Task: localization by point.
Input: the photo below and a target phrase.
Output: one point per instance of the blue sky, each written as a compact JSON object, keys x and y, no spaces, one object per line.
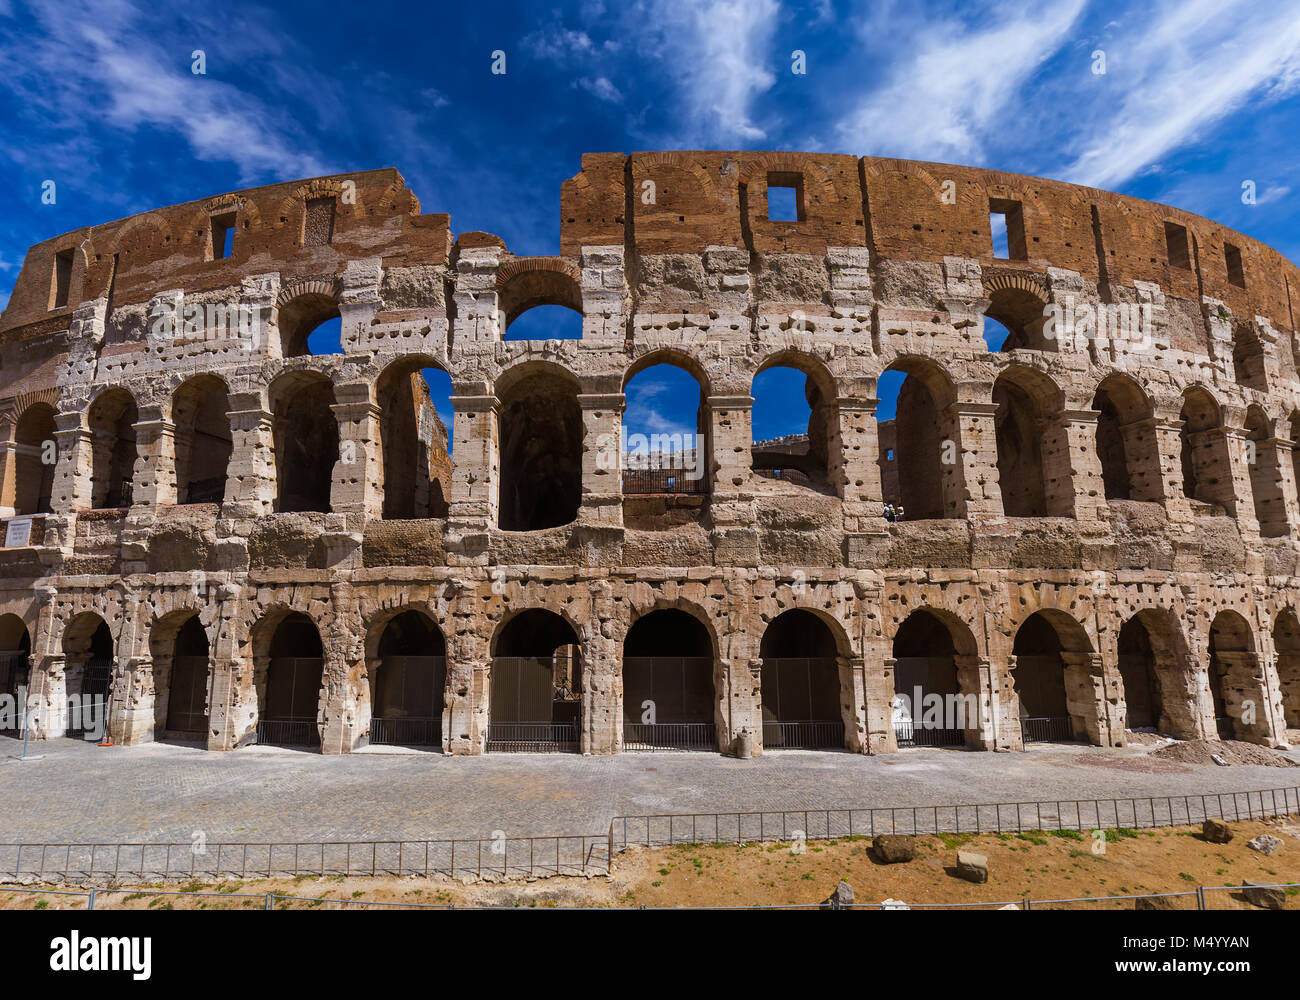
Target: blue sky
{"x":1197,"y":98}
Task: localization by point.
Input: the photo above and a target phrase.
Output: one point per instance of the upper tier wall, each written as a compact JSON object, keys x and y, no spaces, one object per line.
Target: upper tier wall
{"x":678,"y":203}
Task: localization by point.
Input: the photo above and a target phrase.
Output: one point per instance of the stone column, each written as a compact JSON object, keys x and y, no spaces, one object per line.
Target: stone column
{"x":1146,"y":465}
{"x":853,"y":701}
{"x":729,"y":429}
{"x":855,"y":463}
{"x":359,"y":470}
{"x":602,"y":678}
{"x":345,"y":696}
{"x":73,"y":465}
{"x":1167,"y":430}
{"x":1232,"y":492}
{"x":476,"y":478}
{"x":602,"y":459}
{"x":1287,"y":483}
{"x":131,"y":701}
{"x":878,"y":699}
{"x":469,"y":664}
{"x":250,"y":475}
{"x":1071,"y":469}
{"x":232,"y":692}
{"x":153,"y":478}
{"x":974,"y":475}
{"x":992,"y":718}
{"x":1092,"y":699}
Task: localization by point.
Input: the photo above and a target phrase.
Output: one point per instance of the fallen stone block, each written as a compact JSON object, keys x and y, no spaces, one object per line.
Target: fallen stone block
{"x":894,"y":848}
{"x":1216,"y":831}
{"x":1154,"y":903}
{"x":972,"y":867}
{"x":840,"y":899}
{"x":1264,"y":896}
{"x":1265,"y":843}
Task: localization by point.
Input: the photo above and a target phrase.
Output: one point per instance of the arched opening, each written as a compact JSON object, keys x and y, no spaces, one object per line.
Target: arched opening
{"x":35,"y":458}
{"x":1126,"y":444}
{"x":1248,"y":358}
{"x":1286,"y":643}
{"x":1234,"y":689}
{"x":310,"y":324}
{"x":540,"y":303}
{"x":1137,"y":670}
{"x":664,"y":432}
{"x":289,"y":697}
{"x":306,"y":439}
{"x":1265,"y":477}
{"x":668,"y":695}
{"x":88,"y":675}
{"x":180,"y":668}
{"x":536,"y":685}
{"x":414,"y":441}
{"x":930,"y":708}
{"x":112,"y":420}
{"x":1025,"y":430}
{"x":546,"y":322}
{"x":1204,"y":451}
{"x":200,"y":412}
{"x":917,"y":442}
{"x":409,"y":683}
{"x":1039,"y":679}
{"x":541,"y":451}
{"x":793,"y":423}
{"x":800,"y":684}
{"x":15,"y":672}
{"x":1020,"y":313}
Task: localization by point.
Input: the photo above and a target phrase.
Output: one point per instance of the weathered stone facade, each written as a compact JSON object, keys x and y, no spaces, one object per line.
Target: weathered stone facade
{"x":1088,"y":479}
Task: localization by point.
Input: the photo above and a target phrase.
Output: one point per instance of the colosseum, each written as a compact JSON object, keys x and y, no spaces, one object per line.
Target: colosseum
{"x":234,"y":541}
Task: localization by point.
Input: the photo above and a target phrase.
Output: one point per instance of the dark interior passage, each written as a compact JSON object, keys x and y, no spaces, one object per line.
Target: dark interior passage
{"x":801,"y":684}
{"x":293,"y":684}
{"x":188,"y":685}
{"x":536,"y":685}
{"x":668,"y":697}
{"x":409,"y":687}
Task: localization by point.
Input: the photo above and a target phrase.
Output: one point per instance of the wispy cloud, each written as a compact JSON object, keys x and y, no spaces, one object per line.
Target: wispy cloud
{"x":601,"y":88}
{"x":943,"y":102}
{"x":1186,"y":68}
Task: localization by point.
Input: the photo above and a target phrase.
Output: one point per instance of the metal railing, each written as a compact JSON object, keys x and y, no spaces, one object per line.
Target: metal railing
{"x":644,"y":481}
{"x":505,"y":856}
{"x":804,"y":734}
{"x":910,"y":733}
{"x":639,"y":736}
{"x":1140,"y":812}
{"x":406,"y":731}
{"x":532,"y":737}
{"x":1046,"y":729}
{"x":288,"y":732}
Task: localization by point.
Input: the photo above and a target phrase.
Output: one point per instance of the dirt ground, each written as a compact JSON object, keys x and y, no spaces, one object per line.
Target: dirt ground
{"x":1042,"y":865}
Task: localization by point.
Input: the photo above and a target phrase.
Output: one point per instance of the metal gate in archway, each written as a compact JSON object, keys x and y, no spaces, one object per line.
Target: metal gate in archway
{"x":96,"y":685}
{"x":409,"y":701}
{"x":676,"y":692}
{"x":292,"y":694}
{"x":187,"y":695}
{"x":531,"y":709}
{"x":801,"y":704}
{"x":15,"y":668}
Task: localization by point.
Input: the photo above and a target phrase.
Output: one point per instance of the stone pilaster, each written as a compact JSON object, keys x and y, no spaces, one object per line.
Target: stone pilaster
{"x":154,"y":475}
{"x":1072,"y":470}
{"x":358,"y":473}
{"x":602,"y":459}
{"x":476,"y":478}
{"x":72,"y":469}
{"x":250,"y":474}
{"x":974,"y":476}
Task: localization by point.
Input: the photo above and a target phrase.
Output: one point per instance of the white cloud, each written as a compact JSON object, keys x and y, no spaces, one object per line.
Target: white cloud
{"x":1189,"y":67}
{"x":601,"y":88}
{"x":1273,"y":194}
{"x":942,"y":102}
{"x":558,"y":44}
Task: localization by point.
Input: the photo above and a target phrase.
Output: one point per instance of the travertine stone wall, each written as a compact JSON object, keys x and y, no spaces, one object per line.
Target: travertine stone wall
{"x":671,"y":257}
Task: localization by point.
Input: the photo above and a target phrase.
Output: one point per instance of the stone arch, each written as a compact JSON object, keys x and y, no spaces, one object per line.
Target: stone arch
{"x":289,"y":677}
{"x":1207,"y":470}
{"x":541,"y":438}
{"x":1126,"y":441}
{"x":914,"y":474}
{"x":181,"y":652}
{"x":1153,"y":652}
{"x":406,"y":673}
{"x":1056,"y":677}
{"x":34,"y":479}
{"x":413,"y":442}
{"x":299,"y":309}
{"x":936,"y":683}
{"x":15,"y":667}
{"x":811,"y":460}
{"x":1018,"y":301}
{"x":89,"y":669}
{"x":526,"y":282}
{"x":1286,"y":648}
{"x":203,"y":440}
{"x":111,"y":417}
{"x":1238,"y":691}
{"x":1265,"y":476}
{"x":536,"y":683}
{"x":305,"y":435}
{"x":670,"y":670}
{"x":804,"y":674}
{"x":1030,"y":451}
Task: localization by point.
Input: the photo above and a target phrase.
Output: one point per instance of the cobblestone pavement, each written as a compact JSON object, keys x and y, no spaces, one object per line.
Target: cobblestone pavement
{"x":164,"y":793}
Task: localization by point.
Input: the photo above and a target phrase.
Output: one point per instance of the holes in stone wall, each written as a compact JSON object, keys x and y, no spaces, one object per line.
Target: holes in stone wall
{"x":221,"y":236}
{"x":1265,"y":478}
{"x":1236,"y":271}
{"x":665,"y":432}
{"x":310,"y":324}
{"x":1248,"y":358}
{"x":1204,"y":451}
{"x":1007,"y":229}
{"x":61,"y":279}
{"x":1176,"y":246}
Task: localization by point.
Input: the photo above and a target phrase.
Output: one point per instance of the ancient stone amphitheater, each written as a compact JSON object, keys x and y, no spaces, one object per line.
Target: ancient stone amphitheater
{"x":234,"y":541}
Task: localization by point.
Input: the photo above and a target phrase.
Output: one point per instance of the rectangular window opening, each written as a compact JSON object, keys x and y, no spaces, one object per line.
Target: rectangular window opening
{"x":1176,"y":245}
{"x":62,"y":279}
{"x":785,"y":197}
{"x":1007,"y":228}
{"x":223,"y":236}
{"x":1236,"y":273}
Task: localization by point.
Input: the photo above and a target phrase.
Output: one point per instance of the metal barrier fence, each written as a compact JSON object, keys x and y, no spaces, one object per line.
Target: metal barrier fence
{"x":507,"y":857}
{"x":996,"y":817}
{"x":532,"y":737}
{"x":911,"y":733}
{"x":638,"y":736}
{"x":803,"y":735}
{"x":288,"y":732}
{"x":406,"y":731}
{"x":1048,"y":729}
{"x":643,"y":481}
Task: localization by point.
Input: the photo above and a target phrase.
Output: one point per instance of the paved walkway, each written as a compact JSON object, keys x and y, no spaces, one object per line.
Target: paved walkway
{"x":165,"y":793}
